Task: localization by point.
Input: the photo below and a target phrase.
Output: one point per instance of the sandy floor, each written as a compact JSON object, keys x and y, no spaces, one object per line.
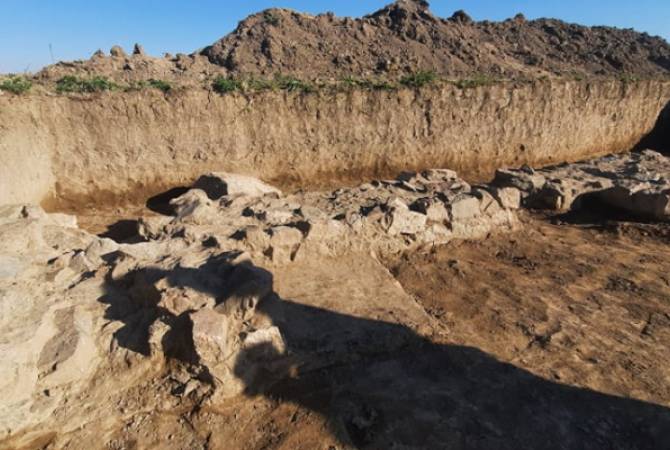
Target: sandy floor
{"x":585,"y":305}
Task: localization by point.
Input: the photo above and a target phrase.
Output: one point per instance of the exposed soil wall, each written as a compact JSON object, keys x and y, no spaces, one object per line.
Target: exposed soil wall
{"x":115,"y":145}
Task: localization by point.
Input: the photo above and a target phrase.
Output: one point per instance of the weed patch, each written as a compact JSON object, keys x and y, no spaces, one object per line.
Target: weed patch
{"x":161,"y":85}
{"x":70,"y":83}
{"x":16,"y":85}
{"x":374,"y":85}
{"x":223,"y":85}
{"x":288,"y":83}
{"x":475,"y":82}
{"x":419,"y":79}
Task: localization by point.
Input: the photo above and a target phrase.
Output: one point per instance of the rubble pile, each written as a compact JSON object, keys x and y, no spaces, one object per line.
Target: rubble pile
{"x":637,"y":183}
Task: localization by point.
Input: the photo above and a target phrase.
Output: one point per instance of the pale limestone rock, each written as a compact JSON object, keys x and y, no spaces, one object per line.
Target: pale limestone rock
{"x":195,"y":207}
{"x":210,"y":337}
{"x":80,"y":263}
{"x":11,"y":267}
{"x":524,"y":180}
{"x":153,"y":227}
{"x":400,"y":220}
{"x":157,"y":332}
{"x":434,"y":209}
{"x":101,"y":247}
{"x":284,"y":243}
{"x":178,"y":300}
{"x":267,"y":342}
{"x":636,"y":182}
{"x":256,"y":238}
{"x":219,"y":184}
{"x":508,"y":197}
{"x":488,"y":205}
{"x":464,"y":207}
{"x":641,"y":200}
{"x":276,"y":216}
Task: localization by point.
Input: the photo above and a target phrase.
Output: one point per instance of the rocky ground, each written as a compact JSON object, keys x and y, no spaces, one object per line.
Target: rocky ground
{"x":402,"y":38}
{"x":421,"y":312}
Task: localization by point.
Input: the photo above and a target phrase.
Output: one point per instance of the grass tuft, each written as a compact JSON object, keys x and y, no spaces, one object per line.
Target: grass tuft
{"x":628,"y":78}
{"x":371,"y":84}
{"x":259,"y":84}
{"x":291,"y":84}
{"x":419,"y":79}
{"x":161,"y":85}
{"x":16,"y":84}
{"x":223,"y":85}
{"x":71,"y":83}
{"x":475,"y":82}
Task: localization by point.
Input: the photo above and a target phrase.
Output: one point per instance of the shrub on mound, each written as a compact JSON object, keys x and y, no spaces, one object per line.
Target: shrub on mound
{"x":71,"y":83}
{"x":16,"y":85}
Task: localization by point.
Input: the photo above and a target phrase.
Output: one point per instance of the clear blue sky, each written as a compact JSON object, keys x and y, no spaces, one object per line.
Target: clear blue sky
{"x":76,"y":28}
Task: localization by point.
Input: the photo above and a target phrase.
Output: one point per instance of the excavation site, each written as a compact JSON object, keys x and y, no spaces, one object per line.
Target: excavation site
{"x":394,"y":231}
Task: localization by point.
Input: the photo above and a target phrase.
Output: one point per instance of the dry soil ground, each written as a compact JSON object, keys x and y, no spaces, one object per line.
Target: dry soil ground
{"x":554,"y":336}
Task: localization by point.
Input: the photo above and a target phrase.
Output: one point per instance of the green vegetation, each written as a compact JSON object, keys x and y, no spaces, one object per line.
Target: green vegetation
{"x":259,"y":84}
{"x":16,"y":85}
{"x":375,"y":85}
{"x":288,"y":83}
{"x":223,"y":85}
{"x":71,"y":83}
{"x":271,"y":19}
{"x":152,"y":83}
{"x":161,"y":85}
{"x":577,"y":76}
{"x":419,"y":79}
{"x":627,"y":78}
{"x":474,"y":82}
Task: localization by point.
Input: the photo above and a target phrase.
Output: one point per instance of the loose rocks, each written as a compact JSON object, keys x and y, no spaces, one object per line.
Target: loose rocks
{"x":638,"y":183}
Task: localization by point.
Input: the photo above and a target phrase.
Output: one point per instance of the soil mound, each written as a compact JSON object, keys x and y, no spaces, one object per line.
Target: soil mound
{"x":402,"y":38}
{"x":405,"y":37}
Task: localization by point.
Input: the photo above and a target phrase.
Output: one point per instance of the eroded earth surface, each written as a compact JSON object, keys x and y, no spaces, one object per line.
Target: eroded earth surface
{"x":421,"y":312}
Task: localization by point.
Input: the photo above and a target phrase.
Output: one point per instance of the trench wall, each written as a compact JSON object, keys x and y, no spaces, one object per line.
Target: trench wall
{"x":115,"y":146}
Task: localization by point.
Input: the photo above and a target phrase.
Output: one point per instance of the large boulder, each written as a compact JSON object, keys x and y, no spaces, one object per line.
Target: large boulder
{"x":219,"y":184}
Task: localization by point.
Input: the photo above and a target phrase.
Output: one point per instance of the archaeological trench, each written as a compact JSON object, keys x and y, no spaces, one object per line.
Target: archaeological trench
{"x":421,"y":267}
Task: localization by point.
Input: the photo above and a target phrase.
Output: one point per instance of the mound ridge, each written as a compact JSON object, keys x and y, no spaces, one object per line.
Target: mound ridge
{"x":405,"y":36}
{"x":401,"y":38}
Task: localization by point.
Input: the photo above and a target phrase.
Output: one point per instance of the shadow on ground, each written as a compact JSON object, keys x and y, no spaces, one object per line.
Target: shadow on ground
{"x":379,"y":385}
{"x":160,"y":203}
{"x":123,"y":231}
{"x":659,"y":138}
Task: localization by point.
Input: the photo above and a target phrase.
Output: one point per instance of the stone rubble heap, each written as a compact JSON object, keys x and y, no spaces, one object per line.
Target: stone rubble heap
{"x":431,"y":207}
{"x":636,"y":183}
{"x":75,"y":306}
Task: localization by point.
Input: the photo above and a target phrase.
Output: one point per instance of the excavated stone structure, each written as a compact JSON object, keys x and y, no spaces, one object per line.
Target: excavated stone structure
{"x":219,"y":300}
{"x":183,"y":305}
{"x":637,"y":183}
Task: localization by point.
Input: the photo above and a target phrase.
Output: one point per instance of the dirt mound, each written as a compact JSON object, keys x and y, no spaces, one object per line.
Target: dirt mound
{"x":187,"y":70}
{"x":405,"y":36}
